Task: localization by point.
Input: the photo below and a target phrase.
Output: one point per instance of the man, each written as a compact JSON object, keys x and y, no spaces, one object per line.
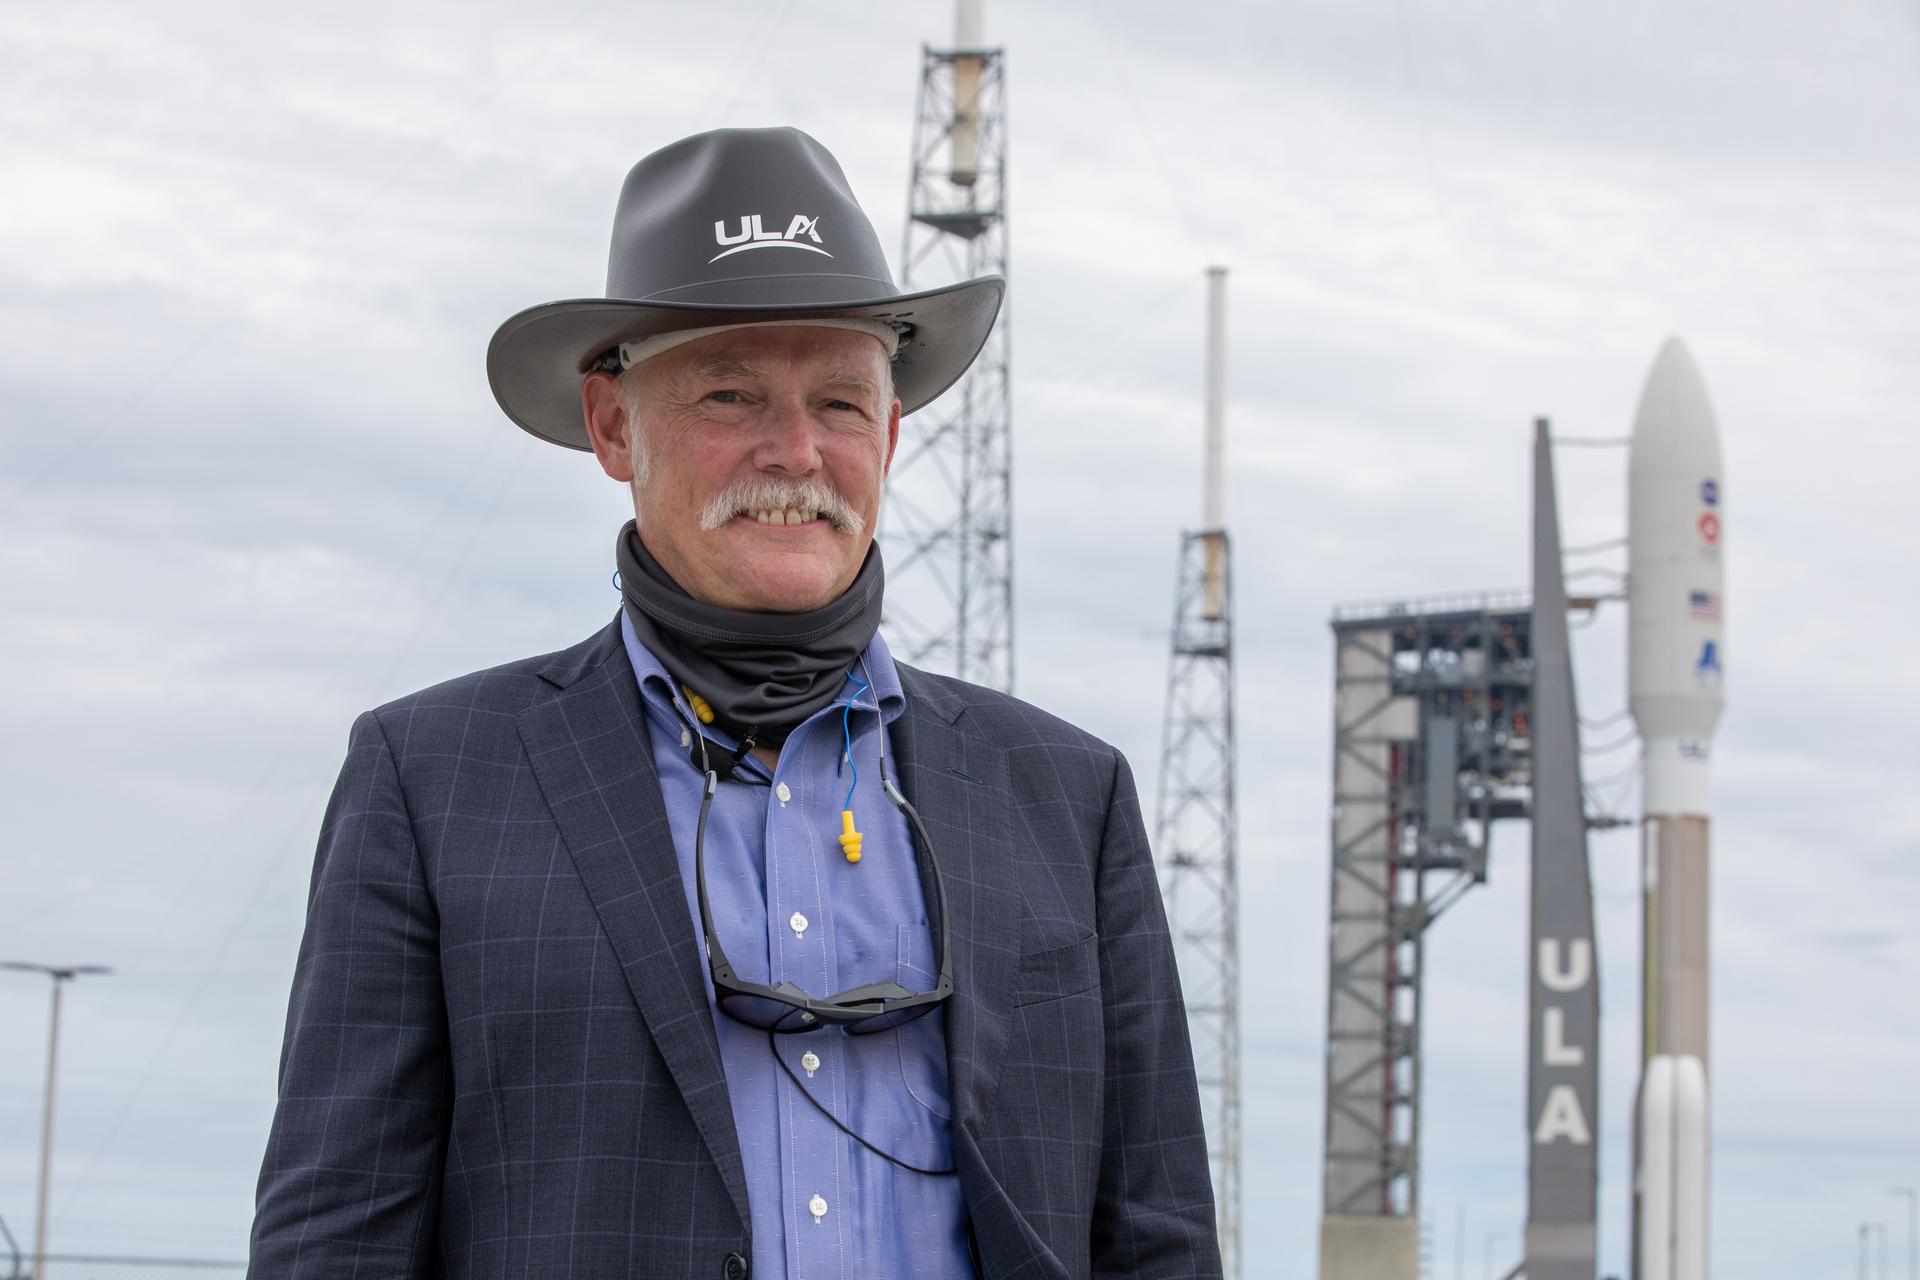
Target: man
{"x":720,"y":943}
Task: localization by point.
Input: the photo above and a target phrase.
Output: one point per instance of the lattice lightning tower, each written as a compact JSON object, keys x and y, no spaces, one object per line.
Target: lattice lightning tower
{"x":948,"y":525}
{"x":1195,"y":834}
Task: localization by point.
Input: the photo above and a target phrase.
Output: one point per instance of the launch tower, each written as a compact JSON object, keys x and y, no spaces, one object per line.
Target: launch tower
{"x":948,"y":530}
{"x":1449,"y":715}
{"x":1432,"y":744}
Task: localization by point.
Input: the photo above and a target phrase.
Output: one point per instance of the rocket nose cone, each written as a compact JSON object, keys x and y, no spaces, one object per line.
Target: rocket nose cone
{"x":1674,"y":362}
{"x":1674,"y":398}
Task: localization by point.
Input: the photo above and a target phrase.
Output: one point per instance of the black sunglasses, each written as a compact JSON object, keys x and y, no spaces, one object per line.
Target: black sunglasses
{"x":784,"y":1008}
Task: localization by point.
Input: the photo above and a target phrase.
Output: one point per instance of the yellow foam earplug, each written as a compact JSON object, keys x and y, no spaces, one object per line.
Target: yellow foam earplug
{"x":849,"y":838}
{"x":701,"y":708}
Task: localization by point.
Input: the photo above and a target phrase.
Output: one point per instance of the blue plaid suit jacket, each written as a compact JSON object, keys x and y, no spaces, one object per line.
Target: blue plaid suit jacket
{"x":500,"y":1058}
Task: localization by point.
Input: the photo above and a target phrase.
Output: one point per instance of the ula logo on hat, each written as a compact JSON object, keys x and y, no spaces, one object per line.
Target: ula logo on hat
{"x":753,"y":236}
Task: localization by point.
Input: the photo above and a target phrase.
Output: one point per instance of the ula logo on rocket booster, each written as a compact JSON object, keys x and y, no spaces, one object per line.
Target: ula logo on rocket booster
{"x":753,"y":235}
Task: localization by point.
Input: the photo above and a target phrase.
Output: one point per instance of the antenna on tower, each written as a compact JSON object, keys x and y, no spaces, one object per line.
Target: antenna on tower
{"x":948,"y":530}
{"x":1196,"y":829}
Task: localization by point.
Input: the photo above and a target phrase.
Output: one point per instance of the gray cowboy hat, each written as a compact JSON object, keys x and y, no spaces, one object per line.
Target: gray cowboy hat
{"x":728,"y":228}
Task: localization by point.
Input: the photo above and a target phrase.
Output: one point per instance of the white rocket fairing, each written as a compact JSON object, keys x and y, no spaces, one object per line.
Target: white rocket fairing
{"x":1676,"y":594}
{"x":1676,"y":516}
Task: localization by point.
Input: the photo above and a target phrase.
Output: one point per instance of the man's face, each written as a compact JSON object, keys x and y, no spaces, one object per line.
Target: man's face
{"x":766,"y":451}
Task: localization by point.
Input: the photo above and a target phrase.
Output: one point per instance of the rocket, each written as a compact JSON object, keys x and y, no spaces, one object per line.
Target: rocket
{"x":1676,"y":654}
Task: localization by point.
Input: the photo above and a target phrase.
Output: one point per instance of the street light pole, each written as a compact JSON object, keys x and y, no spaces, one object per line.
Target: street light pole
{"x":1913,"y":1228}
{"x":13,"y":1247}
{"x":61,"y":975}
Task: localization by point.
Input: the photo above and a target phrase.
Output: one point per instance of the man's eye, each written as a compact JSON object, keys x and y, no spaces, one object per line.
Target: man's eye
{"x":844,"y":404}
{"x":724,"y":397}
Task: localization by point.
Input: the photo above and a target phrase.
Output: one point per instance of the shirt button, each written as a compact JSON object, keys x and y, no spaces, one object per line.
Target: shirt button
{"x":784,"y":794}
{"x":817,"y":1207}
{"x":798,"y":923}
{"x":811,"y":1061}
{"x":686,"y":738}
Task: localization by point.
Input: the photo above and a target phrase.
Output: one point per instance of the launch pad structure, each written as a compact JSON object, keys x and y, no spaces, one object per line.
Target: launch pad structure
{"x":1432,"y":745}
{"x":1451,"y":714}
{"x":947,"y":530}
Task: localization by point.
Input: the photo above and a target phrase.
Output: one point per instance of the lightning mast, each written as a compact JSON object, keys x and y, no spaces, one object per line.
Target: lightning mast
{"x":948,"y":525}
{"x":1195,"y":835}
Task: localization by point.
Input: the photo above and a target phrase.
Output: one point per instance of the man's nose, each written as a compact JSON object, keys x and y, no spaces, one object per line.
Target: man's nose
{"x":790,"y":440}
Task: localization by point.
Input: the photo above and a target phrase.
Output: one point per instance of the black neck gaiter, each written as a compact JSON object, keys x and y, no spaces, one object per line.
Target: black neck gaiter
{"x":762,"y":673}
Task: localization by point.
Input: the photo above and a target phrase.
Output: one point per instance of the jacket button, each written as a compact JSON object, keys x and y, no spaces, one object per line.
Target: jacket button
{"x":736,"y":1267}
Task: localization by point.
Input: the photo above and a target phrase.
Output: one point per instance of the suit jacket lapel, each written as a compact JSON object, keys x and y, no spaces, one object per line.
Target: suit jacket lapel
{"x":594,"y":762}
{"x":958,"y":785}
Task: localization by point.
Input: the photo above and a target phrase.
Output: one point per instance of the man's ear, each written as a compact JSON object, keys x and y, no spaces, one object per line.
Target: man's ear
{"x":893,"y":437}
{"x":605,"y":411}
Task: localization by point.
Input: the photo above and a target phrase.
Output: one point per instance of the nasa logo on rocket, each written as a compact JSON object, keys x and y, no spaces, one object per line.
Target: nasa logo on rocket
{"x":1709,"y":522}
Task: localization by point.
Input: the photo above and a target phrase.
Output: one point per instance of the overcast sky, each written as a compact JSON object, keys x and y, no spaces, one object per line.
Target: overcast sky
{"x":252,"y":483}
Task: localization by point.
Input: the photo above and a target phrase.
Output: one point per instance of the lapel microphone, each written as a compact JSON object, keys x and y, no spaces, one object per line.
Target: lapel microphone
{"x":709,"y":756}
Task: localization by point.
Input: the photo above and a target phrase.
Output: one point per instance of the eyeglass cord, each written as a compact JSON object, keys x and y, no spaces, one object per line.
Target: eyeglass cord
{"x":773,"y":1047}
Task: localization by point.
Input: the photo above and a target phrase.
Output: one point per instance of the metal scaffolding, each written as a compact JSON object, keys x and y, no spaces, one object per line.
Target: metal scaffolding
{"x":1195,"y":840}
{"x":947,"y":530}
{"x":1432,"y":744}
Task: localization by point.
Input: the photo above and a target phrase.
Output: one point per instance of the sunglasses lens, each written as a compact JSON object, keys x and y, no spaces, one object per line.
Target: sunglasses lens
{"x":792,"y":1020}
{"x":758,"y":1011}
{"x":891,"y":1019}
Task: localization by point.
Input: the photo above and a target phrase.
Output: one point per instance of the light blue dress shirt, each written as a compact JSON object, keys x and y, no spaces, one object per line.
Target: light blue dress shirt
{"x":788,"y":906}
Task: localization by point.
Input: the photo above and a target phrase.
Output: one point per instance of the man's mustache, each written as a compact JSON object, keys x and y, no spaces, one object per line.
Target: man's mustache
{"x":774,"y":493}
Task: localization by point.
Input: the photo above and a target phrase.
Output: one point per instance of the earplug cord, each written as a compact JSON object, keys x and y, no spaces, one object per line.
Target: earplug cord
{"x":846,"y":736}
{"x":850,"y":834}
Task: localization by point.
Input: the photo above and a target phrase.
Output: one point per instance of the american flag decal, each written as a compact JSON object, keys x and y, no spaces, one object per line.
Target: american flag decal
{"x":1704,"y":605}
